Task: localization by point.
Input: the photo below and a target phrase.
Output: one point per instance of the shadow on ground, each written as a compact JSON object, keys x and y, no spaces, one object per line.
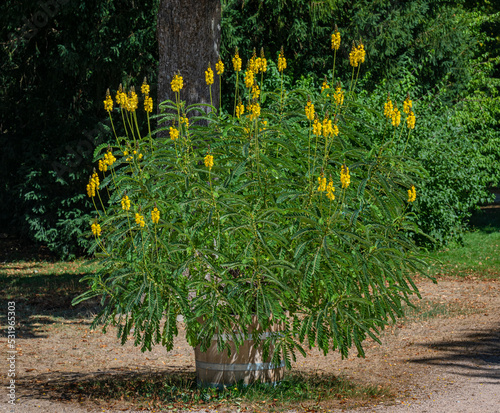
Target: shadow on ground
{"x":476,"y":354}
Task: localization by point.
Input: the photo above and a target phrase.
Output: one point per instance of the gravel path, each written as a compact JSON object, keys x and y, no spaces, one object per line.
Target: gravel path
{"x":447,"y":364}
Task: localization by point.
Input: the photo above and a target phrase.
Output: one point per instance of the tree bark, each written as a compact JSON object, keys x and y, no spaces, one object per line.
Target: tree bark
{"x":188,"y":40}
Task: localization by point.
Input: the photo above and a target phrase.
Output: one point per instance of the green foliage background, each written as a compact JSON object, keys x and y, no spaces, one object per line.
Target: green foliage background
{"x":53,"y":86}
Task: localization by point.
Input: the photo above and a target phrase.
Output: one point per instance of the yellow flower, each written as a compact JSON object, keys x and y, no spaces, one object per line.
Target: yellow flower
{"x":357,"y":54}
{"x":255,"y":91}
{"x":325,"y":85}
{"x":396,"y":117}
{"x":345,"y":178}
{"x":309,"y":110}
{"x":209,"y":162}
{"x":252,"y":63}
{"x":410,"y":120}
{"x":262,"y":62}
{"x":335,"y":40}
{"x":219,"y":67}
{"x":317,"y":127}
{"x":177,"y":83}
{"x":338,"y":96}
{"x":412,"y":194}
{"x":118,"y":97}
{"x":174,"y":133}
{"x":327,"y":127}
{"x":388,"y":108}
{"x":254,"y":109}
{"x":237,"y":61}
{"x":139,"y":219}
{"x":249,"y":78}
{"x":155,"y":215}
{"x":184,"y":119}
{"x":281,"y":61}
{"x":93,"y":184}
{"x":321,"y":183}
{"x":103,"y":166}
{"x":96,"y":229}
{"x":148,"y":104}
{"x":125,"y":203}
{"x":132,"y":100}
{"x":108,"y":103}
{"x":109,"y":158}
{"x":335,"y":130}
{"x":330,"y":189}
{"x":239,"y":109}
{"x":407,"y":104}
{"x":145,"y":87}
{"x":209,"y":76}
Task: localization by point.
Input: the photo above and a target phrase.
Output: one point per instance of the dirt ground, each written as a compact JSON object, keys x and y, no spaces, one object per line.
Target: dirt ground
{"x":439,"y":360}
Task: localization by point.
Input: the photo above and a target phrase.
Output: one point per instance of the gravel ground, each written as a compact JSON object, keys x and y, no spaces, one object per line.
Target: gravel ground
{"x":441,"y":364}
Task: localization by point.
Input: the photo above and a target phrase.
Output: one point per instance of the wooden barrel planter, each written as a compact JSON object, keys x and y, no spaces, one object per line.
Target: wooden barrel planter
{"x":214,"y":369}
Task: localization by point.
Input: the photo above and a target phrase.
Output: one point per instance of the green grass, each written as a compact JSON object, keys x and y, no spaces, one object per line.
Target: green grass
{"x":180,"y":391}
{"x":478,"y":256}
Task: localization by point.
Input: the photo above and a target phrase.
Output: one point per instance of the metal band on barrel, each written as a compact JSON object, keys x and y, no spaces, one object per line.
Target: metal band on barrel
{"x":238,"y":367}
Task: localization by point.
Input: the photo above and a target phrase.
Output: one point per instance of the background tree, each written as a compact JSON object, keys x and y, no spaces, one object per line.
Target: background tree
{"x":188,"y":41}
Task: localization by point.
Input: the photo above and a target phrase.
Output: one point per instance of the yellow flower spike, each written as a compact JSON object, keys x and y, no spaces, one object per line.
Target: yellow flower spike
{"x":240,"y":108}
{"x":249,"y":78}
{"x":118,"y":97}
{"x":108,"y":103}
{"x":407,"y":104}
{"x":96,"y":229}
{"x":412,"y":194}
{"x":388,"y":107}
{"x":219,"y":67}
{"x":325,"y":85}
{"x":103,"y":166}
{"x":125,"y":203}
{"x":357,"y":54}
{"x":184,"y":119}
{"x":139,"y":220}
{"x":209,"y":76}
{"x":335,"y":39}
{"x":263,"y":61}
{"x":338,"y":96}
{"x":330,"y":189}
{"x":174,"y":133}
{"x":177,"y":83}
{"x":345,"y":177}
{"x":252,"y":63}
{"x":410,"y":120}
{"x":395,"y":117}
{"x":327,"y":127}
{"x":145,"y":87}
{"x":148,"y":104}
{"x":237,"y":61}
{"x":209,"y":162}
{"x":335,"y":130}
{"x":281,"y":61}
{"x":254,"y":109}
{"x":317,"y":127}
{"x":132,"y":100}
{"x":255,"y":91}
{"x":309,"y":109}
{"x":321,"y":183}
{"x":155,"y":215}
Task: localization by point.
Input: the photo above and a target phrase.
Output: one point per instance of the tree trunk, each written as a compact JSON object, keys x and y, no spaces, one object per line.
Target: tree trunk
{"x":188,"y":39}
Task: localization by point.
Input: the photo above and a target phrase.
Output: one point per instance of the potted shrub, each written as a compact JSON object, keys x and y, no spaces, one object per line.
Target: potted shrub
{"x":279,"y":220}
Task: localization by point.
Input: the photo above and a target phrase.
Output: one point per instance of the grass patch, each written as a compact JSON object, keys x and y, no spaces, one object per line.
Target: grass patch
{"x":180,"y":391}
{"x":478,"y":256}
{"x":45,"y":288}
